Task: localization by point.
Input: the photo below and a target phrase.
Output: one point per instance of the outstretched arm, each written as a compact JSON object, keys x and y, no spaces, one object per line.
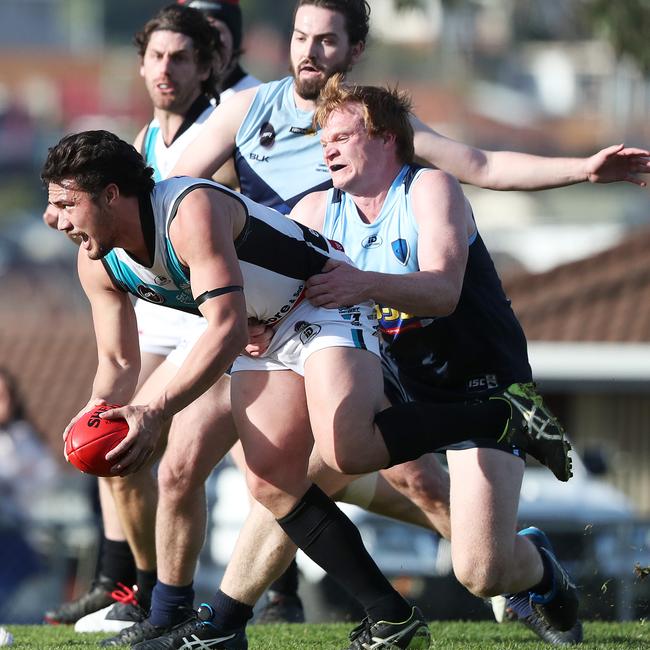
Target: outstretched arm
{"x":509,"y":170}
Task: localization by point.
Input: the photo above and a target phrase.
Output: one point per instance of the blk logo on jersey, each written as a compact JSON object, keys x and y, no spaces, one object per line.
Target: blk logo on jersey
{"x":267,"y":135}
{"x":373,"y":241}
{"x":401,"y":250}
{"x":161,"y":280}
{"x":149,"y":294}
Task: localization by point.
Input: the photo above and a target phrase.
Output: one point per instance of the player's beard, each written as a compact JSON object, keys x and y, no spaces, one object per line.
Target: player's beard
{"x":310,"y":88}
{"x":177,"y":102}
{"x":101,"y":249}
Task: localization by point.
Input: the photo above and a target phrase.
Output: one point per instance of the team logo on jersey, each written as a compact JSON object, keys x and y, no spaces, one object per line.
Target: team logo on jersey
{"x":372,"y":241}
{"x":149,"y":294}
{"x":267,"y":135}
{"x":401,"y":250}
{"x":307,"y":331}
{"x":161,"y":280}
{"x":302,"y":130}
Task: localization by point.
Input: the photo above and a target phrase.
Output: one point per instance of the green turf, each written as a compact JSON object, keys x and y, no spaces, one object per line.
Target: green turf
{"x":452,"y":636}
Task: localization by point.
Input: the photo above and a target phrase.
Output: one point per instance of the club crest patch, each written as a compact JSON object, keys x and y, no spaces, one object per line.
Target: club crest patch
{"x":267,"y":135}
{"x":401,"y":250}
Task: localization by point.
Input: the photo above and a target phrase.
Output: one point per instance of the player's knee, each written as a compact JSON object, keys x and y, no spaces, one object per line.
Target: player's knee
{"x":125,"y":485}
{"x":345,"y":463}
{"x":265,"y":492}
{"x":484,"y":579}
{"x":177,"y":479}
{"x":430,"y":489}
{"x":345,"y":457}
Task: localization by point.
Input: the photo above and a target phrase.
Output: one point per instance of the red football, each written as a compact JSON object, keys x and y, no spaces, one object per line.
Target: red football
{"x":92,"y":437}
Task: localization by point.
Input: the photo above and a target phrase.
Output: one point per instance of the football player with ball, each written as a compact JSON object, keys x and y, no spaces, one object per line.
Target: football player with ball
{"x":229,"y":259}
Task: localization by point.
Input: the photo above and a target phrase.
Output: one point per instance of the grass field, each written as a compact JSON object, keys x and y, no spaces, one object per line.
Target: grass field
{"x":452,"y":636}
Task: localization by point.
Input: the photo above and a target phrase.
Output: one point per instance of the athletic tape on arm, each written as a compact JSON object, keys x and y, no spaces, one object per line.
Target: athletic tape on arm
{"x":206,"y":295}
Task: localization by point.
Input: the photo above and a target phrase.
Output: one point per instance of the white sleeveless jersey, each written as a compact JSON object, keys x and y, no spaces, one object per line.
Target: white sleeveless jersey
{"x":162,"y":157}
{"x":276,"y":255}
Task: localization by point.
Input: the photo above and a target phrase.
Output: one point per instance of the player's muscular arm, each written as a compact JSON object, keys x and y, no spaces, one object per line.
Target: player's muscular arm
{"x":509,"y":170}
{"x":118,"y":352}
{"x":202,"y":235}
{"x":216,"y":141}
{"x":442,"y":214}
{"x":116,"y":333}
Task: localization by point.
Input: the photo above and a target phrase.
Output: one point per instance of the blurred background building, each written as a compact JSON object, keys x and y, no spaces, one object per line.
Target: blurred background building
{"x":553,"y":77}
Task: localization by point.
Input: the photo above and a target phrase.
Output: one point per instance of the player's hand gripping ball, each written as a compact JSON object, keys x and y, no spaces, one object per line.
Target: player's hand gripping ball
{"x":90,"y":438}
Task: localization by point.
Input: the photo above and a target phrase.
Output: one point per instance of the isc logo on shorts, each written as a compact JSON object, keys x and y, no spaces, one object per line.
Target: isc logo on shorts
{"x":483,"y":383}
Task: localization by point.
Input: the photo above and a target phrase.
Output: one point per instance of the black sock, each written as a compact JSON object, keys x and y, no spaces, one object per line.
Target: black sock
{"x":287,"y":583}
{"x":327,"y":536}
{"x":230,"y":614}
{"x":116,"y":562}
{"x":172,"y":604}
{"x":146,"y":581}
{"x":414,"y":429}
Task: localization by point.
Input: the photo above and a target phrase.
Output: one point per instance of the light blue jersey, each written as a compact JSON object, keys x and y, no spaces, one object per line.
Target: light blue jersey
{"x":387,"y":245}
{"x":278,"y":155}
{"x":477,"y":348}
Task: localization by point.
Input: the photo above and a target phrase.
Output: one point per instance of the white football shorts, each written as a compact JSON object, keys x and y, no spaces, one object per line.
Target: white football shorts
{"x":307,"y":329}
{"x":167,"y":332}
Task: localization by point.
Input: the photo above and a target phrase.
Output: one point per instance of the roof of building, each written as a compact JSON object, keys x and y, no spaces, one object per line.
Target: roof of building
{"x":605,"y":297}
